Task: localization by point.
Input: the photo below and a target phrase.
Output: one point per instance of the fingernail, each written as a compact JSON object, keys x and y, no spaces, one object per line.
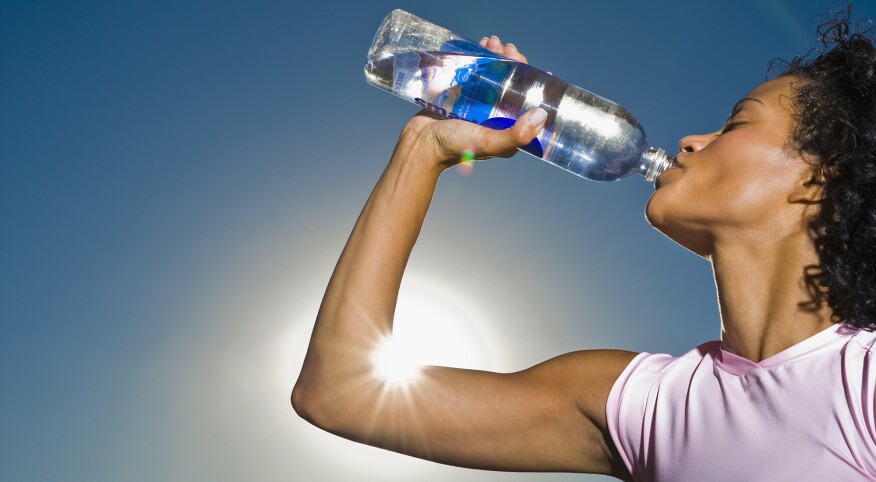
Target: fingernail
{"x":484,"y":40}
{"x":497,"y":38}
{"x":510,"y":45}
{"x":537,"y":117}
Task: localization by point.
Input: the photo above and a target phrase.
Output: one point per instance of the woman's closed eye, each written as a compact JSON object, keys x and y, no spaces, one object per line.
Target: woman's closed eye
{"x":730,"y":125}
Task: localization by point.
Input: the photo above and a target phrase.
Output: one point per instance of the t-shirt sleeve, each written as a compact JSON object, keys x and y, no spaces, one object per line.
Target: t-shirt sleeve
{"x":629,"y":410}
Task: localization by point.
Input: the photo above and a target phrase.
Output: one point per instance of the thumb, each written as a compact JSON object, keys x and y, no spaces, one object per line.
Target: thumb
{"x":504,"y":143}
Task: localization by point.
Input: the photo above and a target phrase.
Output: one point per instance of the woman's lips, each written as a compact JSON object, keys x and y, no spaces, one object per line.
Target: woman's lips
{"x":660,"y":179}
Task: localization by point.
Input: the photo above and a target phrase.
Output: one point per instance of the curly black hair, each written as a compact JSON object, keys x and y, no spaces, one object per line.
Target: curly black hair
{"x":835,"y":108}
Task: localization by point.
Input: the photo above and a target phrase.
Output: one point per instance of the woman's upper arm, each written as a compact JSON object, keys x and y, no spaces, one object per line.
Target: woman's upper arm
{"x":550,"y":417}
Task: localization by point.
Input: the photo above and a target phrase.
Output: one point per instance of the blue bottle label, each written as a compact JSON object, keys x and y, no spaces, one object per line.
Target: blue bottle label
{"x":462,"y":81}
{"x":465,"y":85}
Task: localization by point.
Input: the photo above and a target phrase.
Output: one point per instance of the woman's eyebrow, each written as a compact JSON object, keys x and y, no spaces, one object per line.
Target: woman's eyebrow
{"x":738,"y":106}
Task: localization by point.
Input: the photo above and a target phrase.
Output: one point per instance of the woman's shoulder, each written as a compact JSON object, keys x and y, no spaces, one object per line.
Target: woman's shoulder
{"x":661,"y":361}
{"x":859,"y":359}
{"x":656,"y":365}
{"x":707,"y":349}
{"x":865,"y":340}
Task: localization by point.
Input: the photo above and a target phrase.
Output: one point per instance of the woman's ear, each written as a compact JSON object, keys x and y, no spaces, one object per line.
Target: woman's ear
{"x":808,"y":187}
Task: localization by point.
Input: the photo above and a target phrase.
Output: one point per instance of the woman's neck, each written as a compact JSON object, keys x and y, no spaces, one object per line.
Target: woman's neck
{"x":762,"y":295}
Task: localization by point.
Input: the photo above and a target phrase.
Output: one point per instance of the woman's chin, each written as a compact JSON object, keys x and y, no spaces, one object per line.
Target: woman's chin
{"x":654,"y":212}
{"x":690,"y":239}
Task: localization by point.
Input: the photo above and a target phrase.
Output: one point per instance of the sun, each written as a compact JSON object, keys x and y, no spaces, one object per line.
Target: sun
{"x":430,"y":328}
{"x":394,"y":363}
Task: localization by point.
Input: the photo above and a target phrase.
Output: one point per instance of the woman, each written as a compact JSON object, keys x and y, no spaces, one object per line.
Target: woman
{"x":781,"y":201}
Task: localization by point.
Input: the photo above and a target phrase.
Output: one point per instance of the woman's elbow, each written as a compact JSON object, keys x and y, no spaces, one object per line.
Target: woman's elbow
{"x":299,"y":401}
{"x":304,"y":404}
{"x":312,"y":408}
{"x":330,"y":400}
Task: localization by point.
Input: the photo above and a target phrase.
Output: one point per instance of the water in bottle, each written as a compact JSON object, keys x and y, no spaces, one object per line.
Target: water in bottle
{"x":454,"y":77}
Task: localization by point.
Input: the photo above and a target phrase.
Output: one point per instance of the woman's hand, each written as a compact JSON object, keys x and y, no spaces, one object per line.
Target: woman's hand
{"x":447,"y":141}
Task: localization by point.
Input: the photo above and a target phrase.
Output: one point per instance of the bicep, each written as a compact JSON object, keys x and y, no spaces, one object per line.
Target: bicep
{"x":550,"y":417}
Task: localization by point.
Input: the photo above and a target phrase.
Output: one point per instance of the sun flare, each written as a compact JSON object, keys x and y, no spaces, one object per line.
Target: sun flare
{"x":430,"y":328}
{"x":394,"y":363}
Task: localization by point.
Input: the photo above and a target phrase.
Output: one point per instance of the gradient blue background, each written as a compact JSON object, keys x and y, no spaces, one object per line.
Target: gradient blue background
{"x":177,"y":180}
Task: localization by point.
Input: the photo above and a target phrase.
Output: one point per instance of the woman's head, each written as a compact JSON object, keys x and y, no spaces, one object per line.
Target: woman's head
{"x":740,"y":183}
{"x":798,"y":158}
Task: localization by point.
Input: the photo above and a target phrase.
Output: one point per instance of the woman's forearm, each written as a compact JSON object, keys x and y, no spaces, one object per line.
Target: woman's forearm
{"x":358,"y":306}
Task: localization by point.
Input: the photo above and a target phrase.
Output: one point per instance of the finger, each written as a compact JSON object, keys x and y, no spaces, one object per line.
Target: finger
{"x":509,"y":50}
{"x":489,"y":142}
{"x":495,"y":45}
{"x":512,"y":53}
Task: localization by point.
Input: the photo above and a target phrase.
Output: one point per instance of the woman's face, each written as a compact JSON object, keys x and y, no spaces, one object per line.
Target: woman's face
{"x":740,"y":183}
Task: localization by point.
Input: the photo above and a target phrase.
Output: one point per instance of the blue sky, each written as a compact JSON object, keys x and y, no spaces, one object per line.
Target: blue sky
{"x":177,"y":181}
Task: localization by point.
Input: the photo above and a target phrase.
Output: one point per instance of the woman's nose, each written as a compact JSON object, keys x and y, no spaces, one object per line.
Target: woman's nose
{"x":692,"y":143}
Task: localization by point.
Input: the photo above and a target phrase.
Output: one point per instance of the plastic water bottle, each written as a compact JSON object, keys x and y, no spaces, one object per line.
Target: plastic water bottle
{"x":457,"y":78}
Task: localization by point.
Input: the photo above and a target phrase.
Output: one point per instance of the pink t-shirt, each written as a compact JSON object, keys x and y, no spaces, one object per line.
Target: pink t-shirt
{"x":806,"y":413}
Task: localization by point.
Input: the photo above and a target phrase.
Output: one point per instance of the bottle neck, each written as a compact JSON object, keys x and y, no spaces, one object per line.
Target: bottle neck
{"x":654,"y":162}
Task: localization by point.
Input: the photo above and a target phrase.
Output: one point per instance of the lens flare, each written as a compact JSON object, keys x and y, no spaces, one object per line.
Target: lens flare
{"x":395,"y":363}
{"x":466,"y":163}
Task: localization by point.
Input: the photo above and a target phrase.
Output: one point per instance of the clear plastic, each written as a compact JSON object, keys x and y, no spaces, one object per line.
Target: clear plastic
{"x":457,"y":78}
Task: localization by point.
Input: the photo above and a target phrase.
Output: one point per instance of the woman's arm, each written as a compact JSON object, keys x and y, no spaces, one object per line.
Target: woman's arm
{"x":550,"y":417}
